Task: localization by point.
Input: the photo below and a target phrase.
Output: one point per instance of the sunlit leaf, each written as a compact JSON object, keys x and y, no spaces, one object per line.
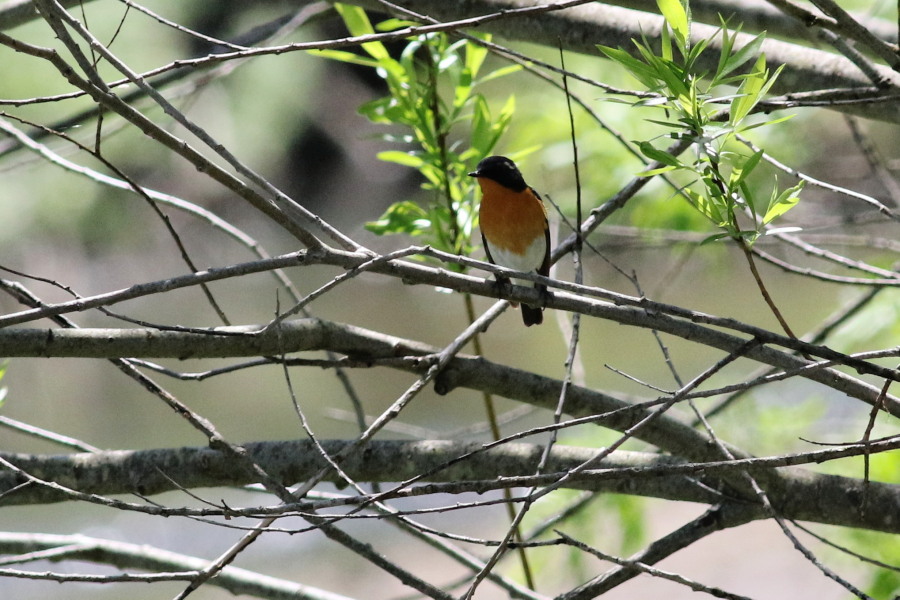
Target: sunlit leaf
{"x":394,"y":24}
{"x":676,"y":16}
{"x":764,"y":123}
{"x":754,"y":86}
{"x":750,"y":49}
{"x":705,"y":206}
{"x":640,"y":70}
{"x":783,"y":202}
{"x":648,"y":150}
{"x":777,"y":230}
{"x":740,"y":172}
{"x":347,"y":57}
{"x":407,"y":159}
{"x":652,"y":172}
{"x":501,"y":72}
{"x":475,"y":55}
{"x":358,"y":24}
{"x":714,"y":238}
{"x":666,"y":44}
{"x":481,"y":134}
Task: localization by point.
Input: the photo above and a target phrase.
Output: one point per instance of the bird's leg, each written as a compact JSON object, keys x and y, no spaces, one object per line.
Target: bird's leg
{"x":502,"y":285}
{"x":545,"y":294}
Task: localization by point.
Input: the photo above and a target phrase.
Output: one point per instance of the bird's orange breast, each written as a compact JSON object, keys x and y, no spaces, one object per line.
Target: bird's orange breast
{"x":511,"y":220}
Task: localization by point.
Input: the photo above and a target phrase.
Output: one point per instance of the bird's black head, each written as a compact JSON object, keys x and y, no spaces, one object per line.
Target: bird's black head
{"x":502,"y":170}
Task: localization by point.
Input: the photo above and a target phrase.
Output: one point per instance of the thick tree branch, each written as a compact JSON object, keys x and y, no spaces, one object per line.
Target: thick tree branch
{"x":796,"y":493}
{"x":315,"y":334}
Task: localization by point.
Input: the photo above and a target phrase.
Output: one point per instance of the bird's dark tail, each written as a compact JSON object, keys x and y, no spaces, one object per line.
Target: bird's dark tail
{"x":533,"y":315}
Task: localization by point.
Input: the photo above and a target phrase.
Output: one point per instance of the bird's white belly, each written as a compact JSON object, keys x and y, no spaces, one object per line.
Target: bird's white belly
{"x":528,"y":262}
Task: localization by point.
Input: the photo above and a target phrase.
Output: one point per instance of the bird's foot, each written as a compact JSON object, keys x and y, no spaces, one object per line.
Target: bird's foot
{"x":503,"y":286}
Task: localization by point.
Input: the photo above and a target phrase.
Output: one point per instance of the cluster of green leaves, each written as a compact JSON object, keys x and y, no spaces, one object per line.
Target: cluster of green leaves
{"x":721,"y":167}
{"x":431,"y":95}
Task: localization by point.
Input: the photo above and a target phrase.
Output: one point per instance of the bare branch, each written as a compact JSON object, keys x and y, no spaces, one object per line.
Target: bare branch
{"x":454,"y":468}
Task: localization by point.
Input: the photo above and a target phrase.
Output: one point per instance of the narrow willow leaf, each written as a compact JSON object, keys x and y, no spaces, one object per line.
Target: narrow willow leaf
{"x":501,"y":72}
{"x":740,"y":57}
{"x":394,"y":24}
{"x":399,"y":157}
{"x":347,"y":57}
{"x":652,"y":172}
{"x":475,"y":56}
{"x":648,"y":150}
{"x":675,"y":16}
{"x":750,"y":91}
{"x":640,"y":70}
{"x":358,"y":24}
{"x":783,"y":202}
{"x":740,"y":173}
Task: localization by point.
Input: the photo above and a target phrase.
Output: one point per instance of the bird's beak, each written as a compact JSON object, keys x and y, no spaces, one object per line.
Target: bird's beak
{"x":473,"y":174}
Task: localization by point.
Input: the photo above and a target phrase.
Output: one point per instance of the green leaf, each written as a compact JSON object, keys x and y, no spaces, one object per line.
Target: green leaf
{"x":666,"y":44}
{"x":355,"y":19}
{"x":749,"y":236}
{"x":714,"y":238}
{"x":394,"y":24}
{"x":678,"y":126}
{"x":648,"y":150}
{"x":358,"y":24}
{"x":501,"y":72}
{"x":401,"y":217}
{"x":640,"y":70}
{"x":344,"y":56}
{"x":407,"y":159}
{"x":783,"y":202}
{"x":676,"y":17}
{"x":462,"y":92}
{"x":733,"y":61}
{"x":652,"y":172}
{"x":430,"y":93}
{"x":741,"y":172}
{"x":788,"y":229}
{"x":692,"y":56}
{"x":706,"y":207}
{"x":667,"y":72}
{"x":483,"y":146}
{"x":749,"y":198}
{"x":481,"y":126}
{"x":385,"y":110}
{"x":475,"y":55}
{"x":764,"y":123}
{"x":433,"y":173}
{"x":752,"y":89}
{"x":448,"y":62}
{"x":486,"y":132}
{"x":727,"y":45}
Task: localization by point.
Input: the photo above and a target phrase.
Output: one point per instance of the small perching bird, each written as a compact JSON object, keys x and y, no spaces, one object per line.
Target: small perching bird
{"x":514,"y":226}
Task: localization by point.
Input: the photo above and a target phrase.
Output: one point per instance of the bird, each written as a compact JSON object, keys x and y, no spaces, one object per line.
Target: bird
{"x":514,"y":228}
